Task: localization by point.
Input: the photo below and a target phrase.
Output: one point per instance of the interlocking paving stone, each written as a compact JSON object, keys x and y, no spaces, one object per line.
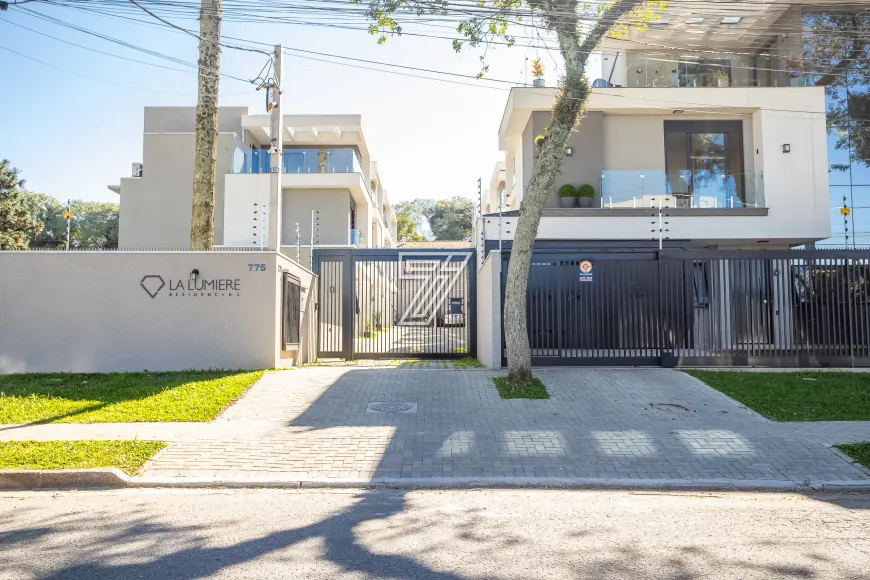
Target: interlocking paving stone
{"x":630,"y":424}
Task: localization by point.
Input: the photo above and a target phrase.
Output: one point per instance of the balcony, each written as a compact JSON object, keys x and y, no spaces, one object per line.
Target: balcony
{"x":680,"y":189}
{"x":673,"y":69}
{"x":315,"y":160}
{"x":356,"y":239}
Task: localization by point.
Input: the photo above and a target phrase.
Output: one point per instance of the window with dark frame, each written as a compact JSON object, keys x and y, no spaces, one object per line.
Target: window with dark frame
{"x":291,"y":315}
{"x":705,"y":159}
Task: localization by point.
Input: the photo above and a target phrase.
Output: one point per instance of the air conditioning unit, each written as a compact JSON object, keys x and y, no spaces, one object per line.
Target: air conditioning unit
{"x":137,"y":169}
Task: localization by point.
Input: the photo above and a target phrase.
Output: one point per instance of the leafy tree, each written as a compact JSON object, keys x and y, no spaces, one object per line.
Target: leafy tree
{"x":578,"y":28}
{"x":836,"y":53}
{"x":406,"y":227}
{"x":450,"y":219}
{"x":95,"y":225}
{"x":48,"y":211}
{"x":409,"y":219}
{"x":16,"y":223}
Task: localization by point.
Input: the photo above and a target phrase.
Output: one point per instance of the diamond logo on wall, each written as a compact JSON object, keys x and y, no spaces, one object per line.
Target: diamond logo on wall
{"x":152,"y":284}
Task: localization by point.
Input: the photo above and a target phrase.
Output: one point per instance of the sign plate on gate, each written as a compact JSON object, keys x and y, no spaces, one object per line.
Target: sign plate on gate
{"x":586,"y":270}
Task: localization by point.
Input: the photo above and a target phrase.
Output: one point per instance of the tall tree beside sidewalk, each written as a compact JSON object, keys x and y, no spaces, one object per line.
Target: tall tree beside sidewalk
{"x":450,"y":219}
{"x":16,"y":222}
{"x":578,"y":28}
{"x":205,"y":157}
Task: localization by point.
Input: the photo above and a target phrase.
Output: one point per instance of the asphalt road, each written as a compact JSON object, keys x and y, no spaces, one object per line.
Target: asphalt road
{"x":273,"y":534}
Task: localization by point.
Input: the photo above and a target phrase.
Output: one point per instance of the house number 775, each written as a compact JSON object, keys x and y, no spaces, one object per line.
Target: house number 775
{"x":256,"y":267}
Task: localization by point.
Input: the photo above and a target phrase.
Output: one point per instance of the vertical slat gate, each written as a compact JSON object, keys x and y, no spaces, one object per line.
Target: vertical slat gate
{"x":699,"y":308}
{"x":382,"y":303}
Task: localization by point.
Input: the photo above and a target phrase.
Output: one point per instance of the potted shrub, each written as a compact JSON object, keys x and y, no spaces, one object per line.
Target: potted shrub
{"x":367,"y":333}
{"x":538,"y":73}
{"x":567,"y":195}
{"x":376,"y":318}
{"x":586,"y":194}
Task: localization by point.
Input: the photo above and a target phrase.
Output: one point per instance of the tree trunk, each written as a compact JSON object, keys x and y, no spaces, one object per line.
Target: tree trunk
{"x":569,"y":106}
{"x":202,"y":216}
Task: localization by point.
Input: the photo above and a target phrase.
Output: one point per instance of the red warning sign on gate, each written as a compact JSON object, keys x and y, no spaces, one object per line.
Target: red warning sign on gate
{"x":586,"y":270}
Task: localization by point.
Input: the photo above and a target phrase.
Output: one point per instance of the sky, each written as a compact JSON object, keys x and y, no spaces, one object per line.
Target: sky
{"x":72,"y":136}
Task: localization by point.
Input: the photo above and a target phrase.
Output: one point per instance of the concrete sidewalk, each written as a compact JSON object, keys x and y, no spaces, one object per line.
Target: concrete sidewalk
{"x":638,"y":427}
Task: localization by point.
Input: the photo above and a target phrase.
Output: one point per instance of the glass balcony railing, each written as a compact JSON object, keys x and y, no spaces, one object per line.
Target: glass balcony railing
{"x":315,"y":160}
{"x":355,"y":238}
{"x":672,"y":69}
{"x":681,"y":189}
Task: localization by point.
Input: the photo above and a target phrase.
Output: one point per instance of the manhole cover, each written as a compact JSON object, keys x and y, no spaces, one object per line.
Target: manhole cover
{"x":392,"y":406}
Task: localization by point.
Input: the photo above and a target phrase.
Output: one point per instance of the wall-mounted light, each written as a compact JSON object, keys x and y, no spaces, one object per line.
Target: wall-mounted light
{"x":763,"y":242}
{"x":569,"y":151}
{"x":678,"y":111}
{"x":786,"y":148}
{"x":194,"y":274}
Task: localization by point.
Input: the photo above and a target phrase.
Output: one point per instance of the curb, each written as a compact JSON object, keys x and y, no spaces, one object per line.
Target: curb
{"x":63,"y":478}
{"x":116,"y":479}
{"x":508,"y":483}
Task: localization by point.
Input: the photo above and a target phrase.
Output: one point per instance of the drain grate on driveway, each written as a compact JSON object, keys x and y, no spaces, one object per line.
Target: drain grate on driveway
{"x":391,"y":407}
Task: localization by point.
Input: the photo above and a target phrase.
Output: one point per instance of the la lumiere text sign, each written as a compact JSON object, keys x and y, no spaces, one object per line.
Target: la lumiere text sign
{"x":197,"y":287}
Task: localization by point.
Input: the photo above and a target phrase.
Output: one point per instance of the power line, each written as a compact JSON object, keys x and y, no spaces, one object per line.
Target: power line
{"x":89,"y":77}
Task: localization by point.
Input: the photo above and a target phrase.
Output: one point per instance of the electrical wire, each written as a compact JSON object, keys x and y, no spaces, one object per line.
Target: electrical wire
{"x":48,"y":64}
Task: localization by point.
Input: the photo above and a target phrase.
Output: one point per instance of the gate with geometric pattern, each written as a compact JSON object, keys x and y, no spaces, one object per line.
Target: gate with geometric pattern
{"x":394,"y":303}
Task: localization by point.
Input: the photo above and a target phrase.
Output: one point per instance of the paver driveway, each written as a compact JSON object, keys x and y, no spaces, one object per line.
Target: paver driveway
{"x":629,"y":424}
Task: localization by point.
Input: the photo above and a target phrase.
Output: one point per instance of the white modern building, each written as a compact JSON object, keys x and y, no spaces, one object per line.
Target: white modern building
{"x":725,"y":137}
{"x":332,"y":189}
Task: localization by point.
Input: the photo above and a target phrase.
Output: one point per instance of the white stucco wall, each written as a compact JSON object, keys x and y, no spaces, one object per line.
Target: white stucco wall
{"x":489,"y":311}
{"x":156,"y":208}
{"x":794,"y":185}
{"x":101,"y":319}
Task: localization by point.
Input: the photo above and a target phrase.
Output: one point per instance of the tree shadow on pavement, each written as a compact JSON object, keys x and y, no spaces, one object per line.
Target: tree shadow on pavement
{"x":388,"y":534}
{"x":341,"y":547}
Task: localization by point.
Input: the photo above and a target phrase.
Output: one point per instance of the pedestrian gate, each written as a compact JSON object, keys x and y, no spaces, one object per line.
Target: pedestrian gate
{"x":393,"y":303}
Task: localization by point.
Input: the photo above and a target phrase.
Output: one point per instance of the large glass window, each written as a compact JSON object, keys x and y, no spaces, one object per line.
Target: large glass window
{"x":704,"y":163}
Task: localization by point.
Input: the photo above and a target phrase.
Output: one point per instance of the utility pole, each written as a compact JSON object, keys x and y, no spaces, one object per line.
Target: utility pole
{"x":276,"y":127}
{"x":205,"y":156}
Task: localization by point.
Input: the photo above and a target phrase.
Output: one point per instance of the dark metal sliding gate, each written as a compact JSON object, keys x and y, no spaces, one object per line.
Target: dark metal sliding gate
{"x":391,"y":303}
{"x":700,"y":308}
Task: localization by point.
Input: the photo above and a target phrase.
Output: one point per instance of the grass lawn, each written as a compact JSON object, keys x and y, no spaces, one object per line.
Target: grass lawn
{"x":535,"y":389}
{"x":120,"y":397}
{"x":860,"y":452}
{"x":467,"y":363}
{"x":128,"y":456}
{"x":801,"y":396}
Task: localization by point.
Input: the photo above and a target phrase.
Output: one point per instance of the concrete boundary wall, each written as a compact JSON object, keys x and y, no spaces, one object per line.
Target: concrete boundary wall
{"x":132,"y":311}
{"x":489,"y":311}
